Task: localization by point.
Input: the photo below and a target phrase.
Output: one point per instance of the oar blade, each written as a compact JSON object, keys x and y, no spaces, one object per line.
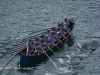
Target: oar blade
{"x":78,"y":50}
{"x":79,"y":45}
{"x":54,"y":65}
{"x":69,"y":57}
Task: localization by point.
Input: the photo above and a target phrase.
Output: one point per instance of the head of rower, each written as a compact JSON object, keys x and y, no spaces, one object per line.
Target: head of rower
{"x":65,"y":20}
{"x":48,"y":31}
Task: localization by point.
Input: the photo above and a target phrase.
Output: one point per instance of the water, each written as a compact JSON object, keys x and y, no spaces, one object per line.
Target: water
{"x":19,"y":18}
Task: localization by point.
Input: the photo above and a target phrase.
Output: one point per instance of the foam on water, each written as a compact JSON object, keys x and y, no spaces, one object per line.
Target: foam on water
{"x":64,"y":70}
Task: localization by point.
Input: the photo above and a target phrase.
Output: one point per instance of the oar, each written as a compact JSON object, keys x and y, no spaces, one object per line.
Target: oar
{"x":70,"y":42}
{"x":1,"y":69}
{"x":50,"y":58}
{"x":63,"y":44}
{"x":59,"y":48}
{"x":41,"y":30}
{"x":71,"y":35}
{"x":50,"y":49}
{"x":80,"y":46}
{"x":73,"y":45}
{"x":60,"y":60}
{"x":76,"y":43}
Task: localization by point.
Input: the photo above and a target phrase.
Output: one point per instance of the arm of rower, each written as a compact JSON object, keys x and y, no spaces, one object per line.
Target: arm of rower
{"x":68,"y":23}
{"x":26,"y":44}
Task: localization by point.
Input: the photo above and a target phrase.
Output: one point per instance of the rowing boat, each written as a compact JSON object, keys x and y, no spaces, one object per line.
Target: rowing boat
{"x":30,"y":61}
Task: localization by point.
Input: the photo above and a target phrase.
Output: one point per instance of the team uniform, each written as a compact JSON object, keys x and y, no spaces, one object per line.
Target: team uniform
{"x":65,"y":23}
{"x":51,"y":37}
{"x":30,"y":47}
{"x":43,"y":43}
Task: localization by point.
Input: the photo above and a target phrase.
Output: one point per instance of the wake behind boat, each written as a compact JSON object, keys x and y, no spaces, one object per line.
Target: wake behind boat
{"x":59,"y":33}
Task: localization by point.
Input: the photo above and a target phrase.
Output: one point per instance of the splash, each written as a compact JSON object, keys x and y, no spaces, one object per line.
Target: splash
{"x":20,"y":36}
{"x":47,"y":74}
{"x":80,"y":46}
{"x":64,"y":70}
{"x":15,"y":38}
{"x":61,"y":61}
{"x":82,"y":55}
{"x":69,"y":58}
{"x":54,"y":65}
{"x":2,"y":51}
{"x":23,"y":36}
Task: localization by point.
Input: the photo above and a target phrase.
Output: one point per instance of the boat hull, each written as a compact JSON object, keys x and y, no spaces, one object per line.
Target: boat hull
{"x":31,"y":61}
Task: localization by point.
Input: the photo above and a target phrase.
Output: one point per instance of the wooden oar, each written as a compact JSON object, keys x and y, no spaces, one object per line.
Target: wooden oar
{"x":59,"y":48}
{"x":1,"y":69}
{"x":76,"y":43}
{"x":41,"y":30}
{"x":71,"y":35}
{"x":61,"y":60}
{"x":70,"y":42}
{"x":50,"y":58}
{"x":51,"y":49}
{"x":73,"y":45}
{"x":63,"y":44}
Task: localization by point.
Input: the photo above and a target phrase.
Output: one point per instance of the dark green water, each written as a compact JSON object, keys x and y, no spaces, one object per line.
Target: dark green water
{"x":19,"y":18}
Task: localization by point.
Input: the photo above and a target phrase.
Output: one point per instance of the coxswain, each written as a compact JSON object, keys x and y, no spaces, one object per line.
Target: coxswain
{"x":66,"y":23}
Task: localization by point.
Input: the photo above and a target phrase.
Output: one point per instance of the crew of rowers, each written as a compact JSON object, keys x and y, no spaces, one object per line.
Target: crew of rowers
{"x":50,"y":38}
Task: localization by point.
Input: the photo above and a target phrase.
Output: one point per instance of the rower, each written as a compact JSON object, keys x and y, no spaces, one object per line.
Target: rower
{"x":64,"y":30}
{"x":39,"y":50}
{"x":36,"y":44}
{"x":47,"y":34}
{"x":58,"y":27}
{"x":53,"y":31}
{"x":48,"y":41}
{"x":39,"y":45}
{"x":59,"y":36}
{"x":53,"y":34}
{"x":43,"y":42}
{"x":29,"y":46}
{"x":42,"y":39}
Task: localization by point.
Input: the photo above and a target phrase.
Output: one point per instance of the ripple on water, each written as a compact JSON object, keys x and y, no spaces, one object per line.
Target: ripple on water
{"x":0,"y":55}
{"x":91,"y":7}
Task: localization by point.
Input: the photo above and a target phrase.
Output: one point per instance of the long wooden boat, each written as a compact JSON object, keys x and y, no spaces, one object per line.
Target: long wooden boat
{"x":30,"y":61}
